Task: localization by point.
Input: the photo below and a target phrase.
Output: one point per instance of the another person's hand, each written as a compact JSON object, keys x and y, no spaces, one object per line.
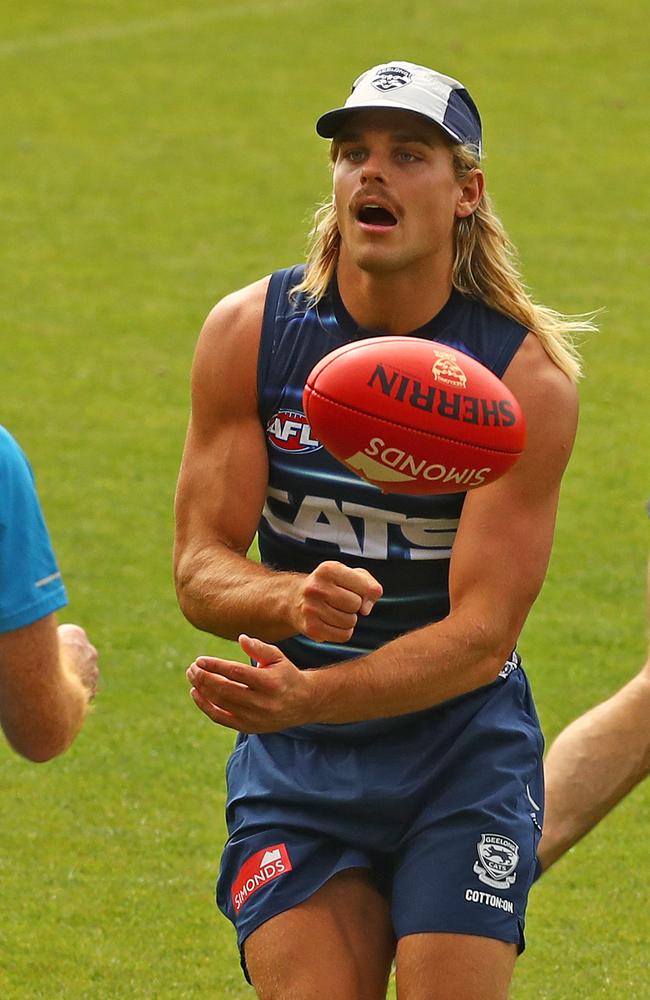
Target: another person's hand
{"x":79,"y":657}
{"x":331,"y":598}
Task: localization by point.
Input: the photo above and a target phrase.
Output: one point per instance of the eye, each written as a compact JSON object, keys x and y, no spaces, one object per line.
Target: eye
{"x":406,"y":156}
{"x":354,"y":155}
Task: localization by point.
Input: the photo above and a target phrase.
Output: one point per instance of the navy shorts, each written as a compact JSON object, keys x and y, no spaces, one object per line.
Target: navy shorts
{"x":445,"y":811}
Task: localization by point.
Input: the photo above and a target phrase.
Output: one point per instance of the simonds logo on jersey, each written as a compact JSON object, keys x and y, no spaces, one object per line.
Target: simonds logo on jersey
{"x":288,"y":430}
{"x":258,"y":871}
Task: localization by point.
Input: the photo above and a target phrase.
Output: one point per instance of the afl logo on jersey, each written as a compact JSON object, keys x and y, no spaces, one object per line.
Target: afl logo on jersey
{"x":288,"y":430}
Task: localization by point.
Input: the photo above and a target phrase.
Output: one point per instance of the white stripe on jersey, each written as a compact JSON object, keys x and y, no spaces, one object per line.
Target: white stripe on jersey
{"x":326,"y":520}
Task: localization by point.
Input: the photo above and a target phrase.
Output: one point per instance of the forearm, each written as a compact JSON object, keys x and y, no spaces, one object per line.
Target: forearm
{"x":225,"y":593}
{"x":593,"y":764}
{"x":41,"y":721}
{"x":47,"y":676}
{"x":62,"y":720}
{"x":416,"y":671}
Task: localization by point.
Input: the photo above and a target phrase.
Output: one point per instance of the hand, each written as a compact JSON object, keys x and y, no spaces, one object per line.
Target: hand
{"x":330,"y":600}
{"x":263,"y":699}
{"x":79,"y":657}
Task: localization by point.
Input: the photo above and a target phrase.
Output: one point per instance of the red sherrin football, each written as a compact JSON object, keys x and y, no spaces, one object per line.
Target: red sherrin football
{"x":414,"y":416}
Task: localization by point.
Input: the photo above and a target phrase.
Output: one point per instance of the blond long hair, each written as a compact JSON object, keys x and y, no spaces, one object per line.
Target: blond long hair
{"x":485,"y":268}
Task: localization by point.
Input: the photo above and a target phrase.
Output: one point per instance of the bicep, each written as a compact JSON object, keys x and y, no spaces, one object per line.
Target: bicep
{"x":224,"y":470}
{"x":504,"y":541}
{"x":501,"y":552}
{"x":222,"y":484}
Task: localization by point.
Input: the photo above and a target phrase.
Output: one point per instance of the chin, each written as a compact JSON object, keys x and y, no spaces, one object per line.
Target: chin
{"x":376,"y":261}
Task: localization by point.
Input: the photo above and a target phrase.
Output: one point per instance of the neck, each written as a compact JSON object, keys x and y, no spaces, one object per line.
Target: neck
{"x":392,"y":302}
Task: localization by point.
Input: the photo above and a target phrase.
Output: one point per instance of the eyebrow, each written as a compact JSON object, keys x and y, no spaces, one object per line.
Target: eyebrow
{"x":355,"y":135}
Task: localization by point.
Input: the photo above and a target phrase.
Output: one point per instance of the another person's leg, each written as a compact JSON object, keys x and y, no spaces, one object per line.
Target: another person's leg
{"x":337,"y":945}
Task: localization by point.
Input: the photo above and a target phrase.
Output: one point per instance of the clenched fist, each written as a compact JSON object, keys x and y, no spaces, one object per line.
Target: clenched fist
{"x":330,"y":600}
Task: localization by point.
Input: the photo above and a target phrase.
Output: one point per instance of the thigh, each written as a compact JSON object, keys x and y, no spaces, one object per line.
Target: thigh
{"x":453,"y":967}
{"x":336,"y":945}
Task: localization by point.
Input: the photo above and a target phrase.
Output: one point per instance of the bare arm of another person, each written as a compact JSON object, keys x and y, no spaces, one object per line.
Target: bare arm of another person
{"x":220,"y":497}
{"x":593,"y":764}
{"x":48,"y":676}
{"x":498,"y":564}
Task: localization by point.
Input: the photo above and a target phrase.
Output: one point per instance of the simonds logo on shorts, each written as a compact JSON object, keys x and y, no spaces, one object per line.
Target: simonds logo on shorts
{"x":258,"y":871}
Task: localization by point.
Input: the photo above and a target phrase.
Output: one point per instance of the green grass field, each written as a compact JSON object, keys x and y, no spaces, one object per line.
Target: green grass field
{"x":156,"y":155}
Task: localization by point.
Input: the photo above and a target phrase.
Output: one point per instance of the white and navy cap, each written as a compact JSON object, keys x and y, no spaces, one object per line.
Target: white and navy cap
{"x":408,"y":87}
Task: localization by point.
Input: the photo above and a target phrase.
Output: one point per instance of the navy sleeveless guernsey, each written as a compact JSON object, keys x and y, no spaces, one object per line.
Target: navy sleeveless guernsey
{"x":316,"y":509}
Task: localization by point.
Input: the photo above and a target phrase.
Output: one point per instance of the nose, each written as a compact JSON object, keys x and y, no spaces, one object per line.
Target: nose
{"x":372,"y":169}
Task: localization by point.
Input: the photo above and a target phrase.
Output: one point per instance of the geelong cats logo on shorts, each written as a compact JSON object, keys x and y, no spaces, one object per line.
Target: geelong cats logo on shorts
{"x":497,"y":859}
{"x":390,"y":78}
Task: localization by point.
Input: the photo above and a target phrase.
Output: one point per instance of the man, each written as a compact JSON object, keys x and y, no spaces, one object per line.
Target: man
{"x":388,"y":806}
{"x":48,"y":675}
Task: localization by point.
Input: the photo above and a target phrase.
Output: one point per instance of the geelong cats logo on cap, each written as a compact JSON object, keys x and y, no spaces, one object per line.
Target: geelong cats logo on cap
{"x":390,"y":78}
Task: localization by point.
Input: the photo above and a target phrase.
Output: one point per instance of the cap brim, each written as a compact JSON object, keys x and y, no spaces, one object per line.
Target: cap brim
{"x":329,"y":124}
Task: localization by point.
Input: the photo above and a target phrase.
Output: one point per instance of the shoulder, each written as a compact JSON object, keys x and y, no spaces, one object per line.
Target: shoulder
{"x":231,"y":331}
{"x":224,"y":371}
{"x":535,"y":378}
{"x":481,"y":309}
{"x":10,"y":450}
{"x":242,"y":312}
{"x":238,"y":315}
{"x":13,"y":461}
{"x":549,"y":400}
{"x":493,"y":337}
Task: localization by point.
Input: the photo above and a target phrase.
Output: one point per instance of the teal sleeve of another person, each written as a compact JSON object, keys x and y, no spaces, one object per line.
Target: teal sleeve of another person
{"x":30,"y":581}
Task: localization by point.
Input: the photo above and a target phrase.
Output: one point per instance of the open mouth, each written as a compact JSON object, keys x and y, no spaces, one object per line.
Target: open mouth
{"x":375,"y":215}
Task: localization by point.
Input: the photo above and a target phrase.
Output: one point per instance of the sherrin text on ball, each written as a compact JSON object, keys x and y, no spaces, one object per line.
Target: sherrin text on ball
{"x":414,"y":416}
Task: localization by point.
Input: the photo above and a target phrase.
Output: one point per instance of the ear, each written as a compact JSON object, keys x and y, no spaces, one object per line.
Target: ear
{"x":471,"y":192}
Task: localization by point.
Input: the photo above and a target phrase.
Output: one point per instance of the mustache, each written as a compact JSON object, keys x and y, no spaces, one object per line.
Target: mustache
{"x":378,"y":197}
